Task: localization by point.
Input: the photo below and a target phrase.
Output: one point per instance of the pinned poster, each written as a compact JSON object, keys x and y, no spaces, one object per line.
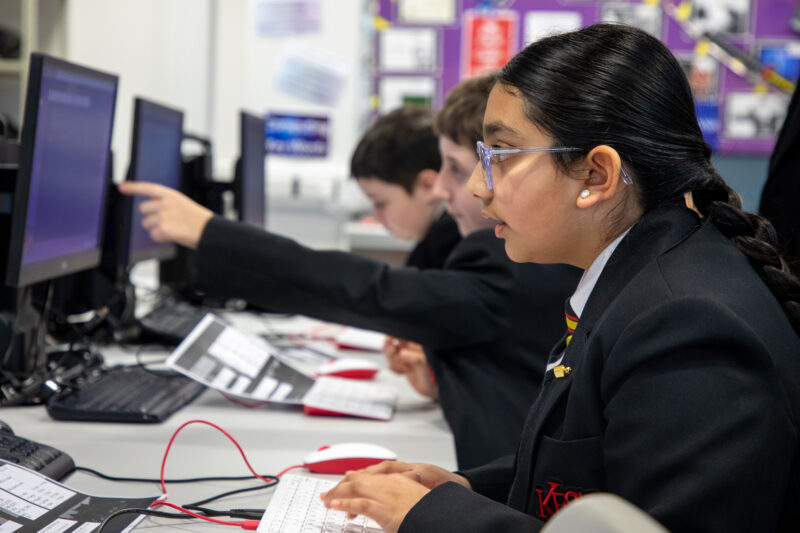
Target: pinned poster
{"x":297,"y":135}
{"x":311,"y":74}
{"x":752,"y":115}
{"x":490,"y":39}
{"x":279,"y":18}
{"x":441,"y":12}
{"x":540,"y":24}
{"x":408,"y":49}
{"x":397,"y":91}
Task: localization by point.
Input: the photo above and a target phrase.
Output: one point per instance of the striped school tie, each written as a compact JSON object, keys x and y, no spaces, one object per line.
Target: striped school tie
{"x":572,"y":320}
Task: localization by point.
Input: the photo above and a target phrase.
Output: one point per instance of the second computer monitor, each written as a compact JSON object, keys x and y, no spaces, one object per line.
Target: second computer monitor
{"x":155,"y":157}
{"x":249,"y":185}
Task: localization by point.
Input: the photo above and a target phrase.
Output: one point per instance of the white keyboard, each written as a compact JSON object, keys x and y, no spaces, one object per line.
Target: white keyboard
{"x":296,"y":508}
{"x":351,"y":397}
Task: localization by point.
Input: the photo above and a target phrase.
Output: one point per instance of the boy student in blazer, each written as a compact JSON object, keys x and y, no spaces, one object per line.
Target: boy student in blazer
{"x":677,"y":387}
{"x":486,"y":323}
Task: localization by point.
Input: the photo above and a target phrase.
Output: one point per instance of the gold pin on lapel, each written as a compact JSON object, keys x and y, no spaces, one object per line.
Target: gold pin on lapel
{"x":562,"y":371}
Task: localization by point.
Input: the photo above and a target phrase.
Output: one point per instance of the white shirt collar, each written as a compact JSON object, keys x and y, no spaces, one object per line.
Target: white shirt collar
{"x":589,"y":279}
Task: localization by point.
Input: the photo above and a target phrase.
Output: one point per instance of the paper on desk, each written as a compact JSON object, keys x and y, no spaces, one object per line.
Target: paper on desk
{"x":239,"y":364}
{"x":31,"y":502}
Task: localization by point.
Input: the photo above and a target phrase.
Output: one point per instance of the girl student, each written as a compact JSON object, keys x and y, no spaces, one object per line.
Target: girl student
{"x":677,"y":383}
{"x":485,"y":322}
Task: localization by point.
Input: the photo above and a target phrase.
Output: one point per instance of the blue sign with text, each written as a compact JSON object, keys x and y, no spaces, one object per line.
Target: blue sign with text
{"x":297,"y":135}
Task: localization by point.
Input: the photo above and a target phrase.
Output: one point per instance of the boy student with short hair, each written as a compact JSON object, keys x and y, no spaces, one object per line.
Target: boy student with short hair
{"x":486,"y":323}
{"x":395,"y":164}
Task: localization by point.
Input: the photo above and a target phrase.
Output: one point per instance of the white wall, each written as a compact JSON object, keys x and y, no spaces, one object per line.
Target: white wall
{"x":159,"y":48}
{"x":245,"y":77}
{"x":204,"y":56}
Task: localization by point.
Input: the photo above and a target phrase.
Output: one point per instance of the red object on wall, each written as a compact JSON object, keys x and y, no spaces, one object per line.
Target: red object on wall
{"x":490,"y":40}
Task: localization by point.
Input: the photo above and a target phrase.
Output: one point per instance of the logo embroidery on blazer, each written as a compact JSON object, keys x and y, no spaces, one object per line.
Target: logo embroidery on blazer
{"x":551,"y":499}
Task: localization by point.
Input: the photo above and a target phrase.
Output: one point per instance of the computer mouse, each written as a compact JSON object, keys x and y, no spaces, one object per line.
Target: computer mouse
{"x":349,"y":367}
{"x":339,"y":458}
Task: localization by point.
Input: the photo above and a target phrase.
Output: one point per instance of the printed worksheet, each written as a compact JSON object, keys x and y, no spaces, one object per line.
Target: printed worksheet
{"x":32,"y":502}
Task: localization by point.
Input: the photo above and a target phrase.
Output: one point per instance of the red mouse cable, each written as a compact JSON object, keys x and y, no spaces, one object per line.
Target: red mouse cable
{"x":245,"y":524}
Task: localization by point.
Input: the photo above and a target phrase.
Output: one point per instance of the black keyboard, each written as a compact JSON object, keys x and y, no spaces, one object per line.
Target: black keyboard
{"x":44,"y":459}
{"x":126,"y":394}
{"x":171,"y":320}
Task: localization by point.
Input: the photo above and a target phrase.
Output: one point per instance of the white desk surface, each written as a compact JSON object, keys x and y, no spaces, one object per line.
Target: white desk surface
{"x":273,"y":437}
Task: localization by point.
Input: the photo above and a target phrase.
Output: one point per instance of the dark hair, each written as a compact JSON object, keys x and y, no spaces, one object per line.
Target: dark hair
{"x":619,"y":86}
{"x":399,"y":146}
{"x":461,"y":117}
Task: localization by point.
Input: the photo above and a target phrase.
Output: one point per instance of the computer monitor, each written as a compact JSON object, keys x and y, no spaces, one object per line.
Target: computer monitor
{"x":60,"y":193}
{"x":155,"y":157}
{"x":249,"y":186}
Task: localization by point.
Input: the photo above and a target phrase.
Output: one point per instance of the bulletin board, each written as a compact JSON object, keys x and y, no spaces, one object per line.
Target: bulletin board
{"x":742,"y":76}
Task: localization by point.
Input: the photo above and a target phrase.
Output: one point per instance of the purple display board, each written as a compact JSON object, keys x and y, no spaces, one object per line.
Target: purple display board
{"x":738,"y":115}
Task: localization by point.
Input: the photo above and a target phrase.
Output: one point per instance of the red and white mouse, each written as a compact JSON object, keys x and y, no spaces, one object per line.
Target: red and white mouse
{"x":339,"y":458}
{"x":349,"y":367}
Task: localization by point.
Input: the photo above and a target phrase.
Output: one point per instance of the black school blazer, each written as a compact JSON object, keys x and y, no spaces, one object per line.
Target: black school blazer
{"x":487,"y":324}
{"x":683,"y":398}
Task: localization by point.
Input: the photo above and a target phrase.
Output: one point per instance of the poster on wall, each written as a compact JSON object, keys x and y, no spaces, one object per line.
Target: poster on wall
{"x":279,"y":18}
{"x":436,"y":12}
{"x":297,"y":135}
{"x":703,"y":75}
{"x":540,"y":24}
{"x":783,"y":58}
{"x":720,"y":16}
{"x":408,"y":49}
{"x":311,"y":75}
{"x":490,"y":40}
{"x":752,"y":115}
{"x":643,"y":16}
{"x":397,"y":91}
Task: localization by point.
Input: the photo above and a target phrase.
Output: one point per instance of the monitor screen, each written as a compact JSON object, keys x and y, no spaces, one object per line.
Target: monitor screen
{"x":61,"y":186}
{"x":250,"y":195}
{"x":155,"y":157}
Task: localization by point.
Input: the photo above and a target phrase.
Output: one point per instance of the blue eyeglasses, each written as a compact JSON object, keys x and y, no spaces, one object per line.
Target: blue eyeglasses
{"x":488,"y":156}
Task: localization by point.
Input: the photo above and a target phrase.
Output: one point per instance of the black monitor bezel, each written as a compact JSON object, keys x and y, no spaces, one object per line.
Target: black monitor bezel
{"x":165,"y":251}
{"x":239,"y":177}
{"x":16,"y":275}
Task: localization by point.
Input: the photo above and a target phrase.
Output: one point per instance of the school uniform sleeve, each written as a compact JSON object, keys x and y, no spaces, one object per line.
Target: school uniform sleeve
{"x":453,"y":507}
{"x":464,"y":304}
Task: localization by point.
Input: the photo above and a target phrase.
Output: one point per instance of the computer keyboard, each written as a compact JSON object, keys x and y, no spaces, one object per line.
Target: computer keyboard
{"x":171,"y":320}
{"x":296,"y":508}
{"x":340,"y":396}
{"x":44,"y":459}
{"x":126,"y":394}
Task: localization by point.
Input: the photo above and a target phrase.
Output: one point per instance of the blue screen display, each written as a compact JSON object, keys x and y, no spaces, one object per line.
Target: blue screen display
{"x":69,"y":167}
{"x":157,"y":159}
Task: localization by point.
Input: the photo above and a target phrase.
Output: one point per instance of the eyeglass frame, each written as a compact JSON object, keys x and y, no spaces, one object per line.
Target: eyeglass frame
{"x":485,"y":153}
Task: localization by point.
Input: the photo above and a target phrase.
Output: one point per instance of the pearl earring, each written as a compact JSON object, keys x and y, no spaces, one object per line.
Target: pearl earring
{"x":585,"y":193}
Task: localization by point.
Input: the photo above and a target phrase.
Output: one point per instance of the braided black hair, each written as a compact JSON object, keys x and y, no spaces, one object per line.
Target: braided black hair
{"x":617,"y":85}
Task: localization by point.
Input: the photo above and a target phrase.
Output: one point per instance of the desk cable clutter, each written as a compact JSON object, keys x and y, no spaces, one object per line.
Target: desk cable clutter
{"x":29,"y":501}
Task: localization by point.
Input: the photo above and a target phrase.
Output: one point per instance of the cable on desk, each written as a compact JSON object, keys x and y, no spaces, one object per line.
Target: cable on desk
{"x":245,"y":524}
{"x":181,"y":480}
{"x":133,"y":510}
